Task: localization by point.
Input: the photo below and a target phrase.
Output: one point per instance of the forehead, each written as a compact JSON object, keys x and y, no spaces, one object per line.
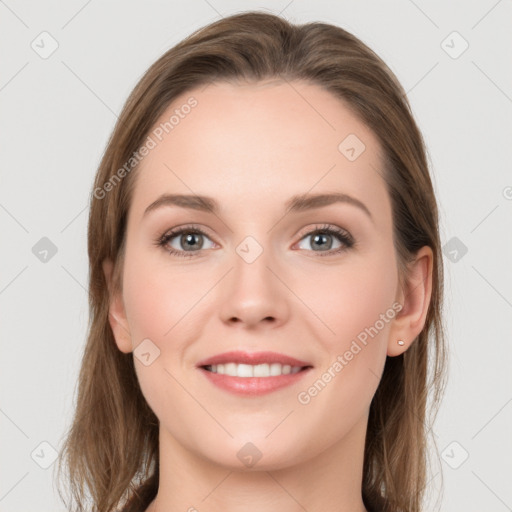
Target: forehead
{"x":245,"y":144}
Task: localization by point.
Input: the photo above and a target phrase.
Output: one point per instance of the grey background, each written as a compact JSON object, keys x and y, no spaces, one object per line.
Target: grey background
{"x":58,"y":112}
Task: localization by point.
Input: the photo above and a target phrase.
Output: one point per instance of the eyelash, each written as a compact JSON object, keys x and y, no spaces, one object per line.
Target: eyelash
{"x":342,"y":235}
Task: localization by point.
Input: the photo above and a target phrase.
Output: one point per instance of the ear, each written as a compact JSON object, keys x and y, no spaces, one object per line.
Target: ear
{"x":117,"y":314}
{"x":415,"y":299}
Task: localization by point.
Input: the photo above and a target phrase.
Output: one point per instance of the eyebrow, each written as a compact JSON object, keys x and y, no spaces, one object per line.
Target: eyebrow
{"x":297,"y":203}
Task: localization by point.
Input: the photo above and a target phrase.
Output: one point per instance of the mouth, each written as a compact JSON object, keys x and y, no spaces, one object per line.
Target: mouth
{"x":253,"y":374}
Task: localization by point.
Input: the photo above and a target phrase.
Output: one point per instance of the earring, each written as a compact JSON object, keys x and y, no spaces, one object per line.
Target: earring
{"x":401,"y":342}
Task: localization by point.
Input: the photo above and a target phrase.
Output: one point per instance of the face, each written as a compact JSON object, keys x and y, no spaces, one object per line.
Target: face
{"x":314,"y":281}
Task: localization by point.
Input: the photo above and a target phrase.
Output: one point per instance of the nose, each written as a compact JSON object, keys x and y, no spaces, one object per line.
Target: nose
{"x":253,"y":292}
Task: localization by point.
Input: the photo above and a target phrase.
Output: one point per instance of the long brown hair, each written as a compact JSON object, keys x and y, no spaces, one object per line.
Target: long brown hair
{"x":111,"y":448}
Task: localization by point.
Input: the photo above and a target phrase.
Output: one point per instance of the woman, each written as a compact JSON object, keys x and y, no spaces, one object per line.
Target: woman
{"x":282,"y":363}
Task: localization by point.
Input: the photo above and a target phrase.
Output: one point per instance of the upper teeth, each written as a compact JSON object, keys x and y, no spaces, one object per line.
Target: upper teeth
{"x":249,"y":370}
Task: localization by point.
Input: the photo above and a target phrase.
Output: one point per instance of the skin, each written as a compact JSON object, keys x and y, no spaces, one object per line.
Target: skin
{"x":251,"y":147}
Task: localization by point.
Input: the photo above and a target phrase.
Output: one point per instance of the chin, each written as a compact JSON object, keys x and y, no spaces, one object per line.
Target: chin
{"x":255,"y":454}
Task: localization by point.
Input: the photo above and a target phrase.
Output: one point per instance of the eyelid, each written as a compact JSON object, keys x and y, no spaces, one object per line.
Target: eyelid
{"x":187,"y":227}
{"x":323,"y":228}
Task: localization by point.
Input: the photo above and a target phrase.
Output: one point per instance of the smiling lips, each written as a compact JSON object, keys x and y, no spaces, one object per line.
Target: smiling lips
{"x":253,"y":373}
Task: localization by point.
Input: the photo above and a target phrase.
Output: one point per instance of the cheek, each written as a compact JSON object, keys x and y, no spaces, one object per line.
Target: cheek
{"x":356,"y":304}
{"x":158,"y":305}
{"x":354,"y":297}
{"x":158,"y":300}
{"x":350,"y":301}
